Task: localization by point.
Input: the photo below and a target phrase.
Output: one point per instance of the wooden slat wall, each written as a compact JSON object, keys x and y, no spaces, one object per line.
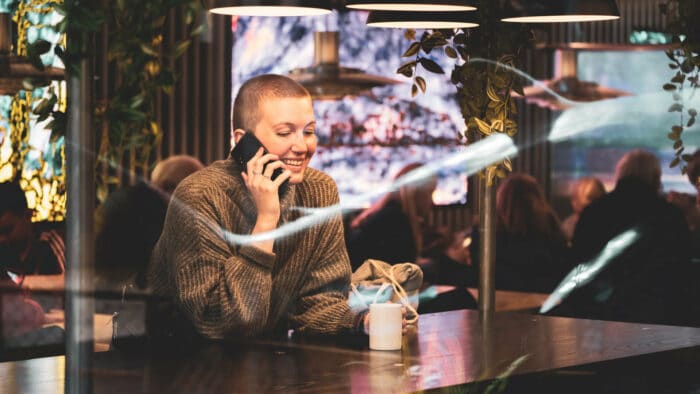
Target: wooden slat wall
{"x":194,"y":119}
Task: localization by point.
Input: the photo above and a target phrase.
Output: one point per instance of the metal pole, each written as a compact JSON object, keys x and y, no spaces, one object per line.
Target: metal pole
{"x":487,"y":248}
{"x":79,"y":234}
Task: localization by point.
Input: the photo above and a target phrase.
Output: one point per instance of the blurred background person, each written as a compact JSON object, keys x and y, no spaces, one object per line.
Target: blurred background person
{"x":690,"y":205}
{"x":531,"y":252}
{"x":651,"y":279}
{"x":391,"y":229}
{"x":395,"y":230}
{"x":585,"y":191}
{"x":130,"y":221}
{"x":128,"y":225}
{"x":23,"y":250}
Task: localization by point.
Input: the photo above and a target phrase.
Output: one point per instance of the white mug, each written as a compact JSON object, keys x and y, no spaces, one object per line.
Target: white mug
{"x":385,"y":326}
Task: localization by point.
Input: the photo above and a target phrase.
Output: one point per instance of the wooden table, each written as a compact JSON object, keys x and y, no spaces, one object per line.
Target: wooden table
{"x":446,"y":349}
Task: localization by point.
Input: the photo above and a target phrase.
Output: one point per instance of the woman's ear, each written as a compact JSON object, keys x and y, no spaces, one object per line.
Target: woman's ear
{"x":236,"y":136}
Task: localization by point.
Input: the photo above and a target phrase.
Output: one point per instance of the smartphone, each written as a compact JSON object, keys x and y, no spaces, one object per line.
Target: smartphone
{"x":246,"y":148}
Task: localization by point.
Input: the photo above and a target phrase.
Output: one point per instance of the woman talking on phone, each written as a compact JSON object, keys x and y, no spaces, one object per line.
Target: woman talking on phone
{"x":299,"y":281}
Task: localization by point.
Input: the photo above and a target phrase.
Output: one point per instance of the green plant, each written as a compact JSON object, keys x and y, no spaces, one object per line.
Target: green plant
{"x":484,"y":83}
{"x":682,"y":18}
{"x":125,"y":122}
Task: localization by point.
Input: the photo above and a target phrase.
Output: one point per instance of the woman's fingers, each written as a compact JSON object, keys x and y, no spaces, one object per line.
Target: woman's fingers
{"x":285,"y":175}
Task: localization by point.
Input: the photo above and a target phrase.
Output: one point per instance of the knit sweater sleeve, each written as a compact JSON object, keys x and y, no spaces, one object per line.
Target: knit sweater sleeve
{"x":322,"y":306}
{"x":222,"y":290}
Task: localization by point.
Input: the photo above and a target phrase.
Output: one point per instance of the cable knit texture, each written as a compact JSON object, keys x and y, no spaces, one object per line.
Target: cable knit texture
{"x":227,"y":290}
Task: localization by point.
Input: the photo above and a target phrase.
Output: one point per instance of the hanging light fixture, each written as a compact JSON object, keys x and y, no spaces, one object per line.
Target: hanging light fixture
{"x":271,"y":7}
{"x":412,"y":5}
{"x":326,"y":79}
{"x":552,"y":11}
{"x":422,"y":20}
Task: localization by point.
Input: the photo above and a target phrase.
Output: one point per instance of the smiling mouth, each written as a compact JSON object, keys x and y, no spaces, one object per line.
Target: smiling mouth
{"x":293,"y":162}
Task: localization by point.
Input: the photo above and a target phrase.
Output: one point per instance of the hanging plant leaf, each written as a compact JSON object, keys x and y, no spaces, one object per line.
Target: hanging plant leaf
{"x":450,"y":52}
{"x":669,"y":87}
{"x":431,"y":66}
{"x":406,"y":69}
{"x":414,"y":90}
{"x":409,"y":34}
{"x":675,"y":107}
{"x":484,"y":127}
{"x":674,"y":162}
{"x":421,"y":83}
{"x":412,"y":50}
{"x":677,"y":144}
{"x":678,"y":78}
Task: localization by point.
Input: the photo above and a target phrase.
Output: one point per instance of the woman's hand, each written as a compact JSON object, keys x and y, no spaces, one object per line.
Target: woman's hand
{"x":262,"y":188}
{"x":264,"y":192}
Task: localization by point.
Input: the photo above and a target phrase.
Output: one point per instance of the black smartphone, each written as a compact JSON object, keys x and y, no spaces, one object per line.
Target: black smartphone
{"x":246,"y":148}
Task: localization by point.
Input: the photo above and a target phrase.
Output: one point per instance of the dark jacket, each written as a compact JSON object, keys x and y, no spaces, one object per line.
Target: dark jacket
{"x":385,"y":235}
{"x":650,"y":280}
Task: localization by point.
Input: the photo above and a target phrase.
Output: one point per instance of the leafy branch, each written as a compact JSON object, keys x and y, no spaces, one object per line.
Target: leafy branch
{"x":136,"y":50}
{"x":484,"y":88}
{"x":681,"y":20}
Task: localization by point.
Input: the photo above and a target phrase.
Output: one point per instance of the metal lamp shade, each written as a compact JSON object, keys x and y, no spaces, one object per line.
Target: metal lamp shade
{"x":422,"y":20}
{"x":553,"y":11}
{"x":412,"y":5}
{"x":271,"y":8}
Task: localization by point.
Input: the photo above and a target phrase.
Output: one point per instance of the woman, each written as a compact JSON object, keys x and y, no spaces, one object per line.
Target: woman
{"x":391,"y":229}
{"x":530,"y":247}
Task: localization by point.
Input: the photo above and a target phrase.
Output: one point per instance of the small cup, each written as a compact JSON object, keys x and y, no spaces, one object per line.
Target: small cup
{"x":385,"y":325}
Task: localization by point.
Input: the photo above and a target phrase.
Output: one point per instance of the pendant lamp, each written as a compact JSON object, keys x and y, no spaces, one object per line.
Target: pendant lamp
{"x":412,"y":5}
{"x":552,"y":11}
{"x":271,"y":7}
{"x":422,"y":20}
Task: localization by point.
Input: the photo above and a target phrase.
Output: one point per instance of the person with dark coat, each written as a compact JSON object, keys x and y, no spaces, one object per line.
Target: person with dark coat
{"x":649,"y":279}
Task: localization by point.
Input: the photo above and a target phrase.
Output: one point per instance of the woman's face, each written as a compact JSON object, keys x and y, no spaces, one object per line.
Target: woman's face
{"x":287,"y":128}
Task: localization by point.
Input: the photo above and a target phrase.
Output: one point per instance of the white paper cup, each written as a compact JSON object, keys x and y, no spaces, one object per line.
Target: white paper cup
{"x":385,"y":326}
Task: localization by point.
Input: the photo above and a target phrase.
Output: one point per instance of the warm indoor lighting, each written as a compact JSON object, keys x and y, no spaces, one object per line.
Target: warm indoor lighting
{"x":553,"y":11}
{"x":422,"y":20}
{"x":271,"y":8}
{"x":416,"y":5}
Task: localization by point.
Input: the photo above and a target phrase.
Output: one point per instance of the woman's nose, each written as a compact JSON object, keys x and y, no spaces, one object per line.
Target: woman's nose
{"x":299,"y":143}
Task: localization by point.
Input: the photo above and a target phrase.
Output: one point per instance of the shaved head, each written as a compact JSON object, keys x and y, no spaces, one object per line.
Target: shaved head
{"x":246,"y":106}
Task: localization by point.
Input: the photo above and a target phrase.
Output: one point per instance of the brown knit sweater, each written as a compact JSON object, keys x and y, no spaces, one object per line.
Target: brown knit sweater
{"x":225,"y":290}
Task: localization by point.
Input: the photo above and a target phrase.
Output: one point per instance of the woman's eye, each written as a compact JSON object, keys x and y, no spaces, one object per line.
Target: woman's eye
{"x":310,"y":132}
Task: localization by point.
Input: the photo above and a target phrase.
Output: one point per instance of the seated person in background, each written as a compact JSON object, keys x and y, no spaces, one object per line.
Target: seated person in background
{"x":130,"y":221}
{"x":689,"y":204}
{"x":585,"y":191}
{"x":23,"y":251}
{"x":394,"y":230}
{"x":129,"y":224}
{"x":649,"y":280}
{"x":391,"y":229}
{"x":531,"y":252}
{"x":222,"y":289}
